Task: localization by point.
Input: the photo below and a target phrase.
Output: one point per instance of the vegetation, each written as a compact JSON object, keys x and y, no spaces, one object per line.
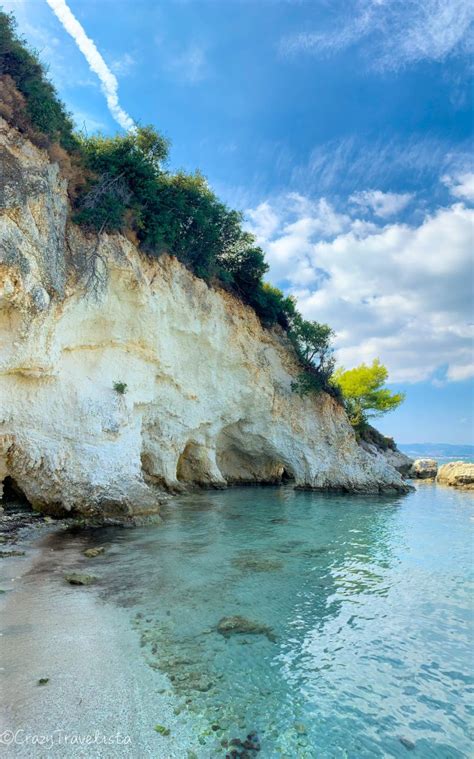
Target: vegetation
{"x":122,"y":184}
{"x":120,"y":387}
{"x":364,"y":393}
{"x":26,"y":94}
{"x":374,"y":437}
{"x":313,"y":343}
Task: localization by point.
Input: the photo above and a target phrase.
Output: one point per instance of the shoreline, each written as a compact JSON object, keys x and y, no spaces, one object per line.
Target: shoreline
{"x":100,"y":691}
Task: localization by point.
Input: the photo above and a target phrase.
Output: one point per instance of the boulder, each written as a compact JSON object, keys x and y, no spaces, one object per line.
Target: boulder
{"x":424,"y":469}
{"x":76,"y":578}
{"x":238,"y":625}
{"x":91,"y":553}
{"x":458,"y":474}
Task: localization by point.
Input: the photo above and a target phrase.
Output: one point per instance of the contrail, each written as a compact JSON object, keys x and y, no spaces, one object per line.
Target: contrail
{"x":96,"y":63}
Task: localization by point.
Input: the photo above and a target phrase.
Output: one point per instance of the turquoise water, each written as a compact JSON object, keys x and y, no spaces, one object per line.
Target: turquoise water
{"x":365,"y":604}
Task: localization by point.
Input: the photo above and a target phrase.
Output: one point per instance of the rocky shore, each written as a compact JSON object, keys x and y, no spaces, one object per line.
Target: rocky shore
{"x":459,"y":474}
{"x":145,"y":379}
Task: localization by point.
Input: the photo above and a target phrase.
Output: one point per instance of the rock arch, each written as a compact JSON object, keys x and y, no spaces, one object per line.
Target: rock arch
{"x":246,"y":457}
{"x":197,"y":466}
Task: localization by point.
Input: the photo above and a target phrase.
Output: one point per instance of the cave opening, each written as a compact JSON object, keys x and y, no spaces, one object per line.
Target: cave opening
{"x":286,"y":476}
{"x":13,"y":498}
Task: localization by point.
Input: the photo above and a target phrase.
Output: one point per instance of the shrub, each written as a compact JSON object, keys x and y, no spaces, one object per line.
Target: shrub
{"x":272,"y":306}
{"x":121,"y":184}
{"x":120,"y":387}
{"x":44,"y":114}
{"x":313,"y":344}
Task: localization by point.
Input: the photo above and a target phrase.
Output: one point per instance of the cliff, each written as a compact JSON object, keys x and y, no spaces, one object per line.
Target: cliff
{"x":208,"y":398}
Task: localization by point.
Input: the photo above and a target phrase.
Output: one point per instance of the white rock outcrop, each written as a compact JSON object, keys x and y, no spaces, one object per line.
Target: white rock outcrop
{"x":424,"y":469}
{"x":458,"y":474}
{"x":208,"y":398}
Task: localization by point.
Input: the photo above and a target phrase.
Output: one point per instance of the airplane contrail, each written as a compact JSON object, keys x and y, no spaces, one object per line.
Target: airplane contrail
{"x":96,"y":63}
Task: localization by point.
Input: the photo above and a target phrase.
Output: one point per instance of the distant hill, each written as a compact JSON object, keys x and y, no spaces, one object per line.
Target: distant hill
{"x":438,"y":451}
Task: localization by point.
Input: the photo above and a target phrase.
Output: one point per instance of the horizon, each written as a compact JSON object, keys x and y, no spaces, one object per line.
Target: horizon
{"x":347,"y":149}
{"x":450,"y":445}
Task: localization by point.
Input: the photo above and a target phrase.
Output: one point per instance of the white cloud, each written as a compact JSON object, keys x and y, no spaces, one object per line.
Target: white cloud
{"x":344,"y":165}
{"x":394,"y":32}
{"x":461,"y":185}
{"x":383,"y":204}
{"x":461,"y":372}
{"x":96,"y":63}
{"x":398,"y":292}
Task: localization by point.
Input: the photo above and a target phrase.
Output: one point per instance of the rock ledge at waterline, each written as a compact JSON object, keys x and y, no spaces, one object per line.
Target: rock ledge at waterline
{"x":208,"y":398}
{"x":458,"y":474}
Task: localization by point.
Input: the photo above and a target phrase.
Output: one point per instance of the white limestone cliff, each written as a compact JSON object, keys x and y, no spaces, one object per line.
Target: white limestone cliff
{"x":208,"y":399}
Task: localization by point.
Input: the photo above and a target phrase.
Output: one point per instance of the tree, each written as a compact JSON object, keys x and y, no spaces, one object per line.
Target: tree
{"x":313,"y":343}
{"x":364,"y":393}
{"x":121,"y":184}
{"x":312,"y":340}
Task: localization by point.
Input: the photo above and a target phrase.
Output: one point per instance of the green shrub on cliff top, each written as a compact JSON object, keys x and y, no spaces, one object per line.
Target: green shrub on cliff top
{"x":120,"y":183}
{"x":21,"y":69}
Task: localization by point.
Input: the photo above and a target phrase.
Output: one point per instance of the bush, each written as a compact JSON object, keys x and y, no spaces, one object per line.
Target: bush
{"x":272,"y":306}
{"x":121,"y":184}
{"x":313,"y":344}
{"x":120,"y":387}
{"x":43,"y":115}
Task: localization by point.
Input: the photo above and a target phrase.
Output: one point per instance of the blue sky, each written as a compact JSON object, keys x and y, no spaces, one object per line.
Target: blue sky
{"x":343,"y":130}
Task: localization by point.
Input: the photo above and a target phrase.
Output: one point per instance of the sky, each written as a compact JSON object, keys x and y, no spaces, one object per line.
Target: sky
{"x":341,"y":128}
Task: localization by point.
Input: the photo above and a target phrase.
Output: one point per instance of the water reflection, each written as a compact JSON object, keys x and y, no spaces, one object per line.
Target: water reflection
{"x":369,"y":640}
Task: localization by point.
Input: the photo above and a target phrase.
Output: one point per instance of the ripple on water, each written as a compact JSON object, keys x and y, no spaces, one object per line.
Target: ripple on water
{"x":367,"y":600}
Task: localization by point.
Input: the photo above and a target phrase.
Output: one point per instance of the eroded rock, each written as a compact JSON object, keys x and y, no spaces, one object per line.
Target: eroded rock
{"x":424,"y":469}
{"x":238,"y":625}
{"x":78,"y":578}
{"x":91,"y":553}
{"x":209,"y":391}
{"x":458,"y":474}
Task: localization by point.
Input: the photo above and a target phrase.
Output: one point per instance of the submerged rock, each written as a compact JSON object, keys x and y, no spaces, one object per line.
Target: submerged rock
{"x":162,"y":730}
{"x":8,"y":554}
{"x":76,"y":578}
{"x":458,"y":474}
{"x":407,"y":742}
{"x":91,"y":553}
{"x":254,"y":563}
{"x":238,"y":625}
{"x":242,"y":748}
{"x":424,"y":469}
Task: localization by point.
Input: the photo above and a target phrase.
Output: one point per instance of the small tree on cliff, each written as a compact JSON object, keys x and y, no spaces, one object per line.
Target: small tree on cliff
{"x":364,"y":393}
{"x":313,"y":344}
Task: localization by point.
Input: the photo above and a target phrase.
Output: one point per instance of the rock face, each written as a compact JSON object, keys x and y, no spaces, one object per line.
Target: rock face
{"x":378,"y":445}
{"x":392,"y":456}
{"x":458,"y":474}
{"x":424,"y":469}
{"x":208,"y":396}
{"x":399,"y":460}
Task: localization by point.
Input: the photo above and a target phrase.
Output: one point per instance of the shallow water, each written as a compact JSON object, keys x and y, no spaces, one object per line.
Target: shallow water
{"x":364,"y":604}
